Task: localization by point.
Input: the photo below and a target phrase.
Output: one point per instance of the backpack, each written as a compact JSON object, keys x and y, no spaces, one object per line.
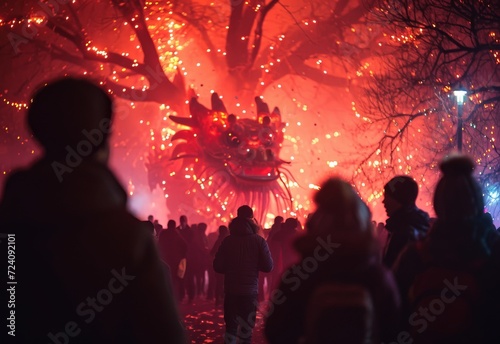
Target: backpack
{"x":339,"y":313}
{"x":444,"y":300}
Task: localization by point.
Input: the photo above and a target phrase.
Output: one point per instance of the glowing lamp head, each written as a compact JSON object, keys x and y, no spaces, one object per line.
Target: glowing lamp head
{"x":460,"y":94}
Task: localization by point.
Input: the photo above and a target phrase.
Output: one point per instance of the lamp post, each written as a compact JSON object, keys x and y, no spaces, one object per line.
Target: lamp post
{"x":460,"y":94}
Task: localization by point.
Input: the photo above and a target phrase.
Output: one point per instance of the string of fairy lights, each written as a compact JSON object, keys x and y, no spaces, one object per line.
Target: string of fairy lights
{"x":480,"y":131}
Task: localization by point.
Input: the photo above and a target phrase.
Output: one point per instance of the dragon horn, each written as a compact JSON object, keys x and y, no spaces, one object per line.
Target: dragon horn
{"x":197,"y":110}
{"x":261,"y":106}
{"x":217,"y":104}
{"x":184,"y":135}
{"x":187,"y":121}
{"x":191,"y":93}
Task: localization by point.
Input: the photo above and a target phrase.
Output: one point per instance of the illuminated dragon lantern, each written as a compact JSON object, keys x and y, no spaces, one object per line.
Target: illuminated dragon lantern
{"x":225,"y":162}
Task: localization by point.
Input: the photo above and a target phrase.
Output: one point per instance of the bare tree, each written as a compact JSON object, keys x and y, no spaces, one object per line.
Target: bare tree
{"x":133,"y":48}
{"x":88,"y":36}
{"x":432,"y":48}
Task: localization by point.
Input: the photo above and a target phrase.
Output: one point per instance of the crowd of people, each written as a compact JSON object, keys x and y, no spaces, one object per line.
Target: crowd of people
{"x":189,"y":249}
{"x":91,"y":272}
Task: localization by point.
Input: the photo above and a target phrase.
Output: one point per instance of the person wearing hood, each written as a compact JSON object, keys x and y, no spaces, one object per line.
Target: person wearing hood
{"x":88,"y":271}
{"x":240,"y":257}
{"x":406,"y":223}
{"x":338,"y":248}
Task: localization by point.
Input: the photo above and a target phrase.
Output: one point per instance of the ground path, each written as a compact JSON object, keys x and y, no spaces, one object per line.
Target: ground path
{"x":205,"y":323}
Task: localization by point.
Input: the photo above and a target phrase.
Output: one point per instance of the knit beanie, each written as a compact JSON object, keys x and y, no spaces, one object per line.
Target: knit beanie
{"x":338,"y":207}
{"x":403,"y":189}
{"x":70,"y":114}
{"x":245,"y":211}
{"x":458,"y":196}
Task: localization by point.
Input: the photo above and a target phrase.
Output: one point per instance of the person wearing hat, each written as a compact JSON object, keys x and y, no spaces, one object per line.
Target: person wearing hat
{"x":87,"y":270}
{"x":240,"y":257}
{"x":459,"y":261}
{"x":406,"y":222}
{"x":337,"y":249}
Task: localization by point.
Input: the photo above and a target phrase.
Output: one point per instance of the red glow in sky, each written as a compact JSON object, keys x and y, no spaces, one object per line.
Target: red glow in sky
{"x":307,"y":67}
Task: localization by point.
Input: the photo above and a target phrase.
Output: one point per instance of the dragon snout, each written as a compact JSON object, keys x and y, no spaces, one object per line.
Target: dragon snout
{"x":259,"y":154}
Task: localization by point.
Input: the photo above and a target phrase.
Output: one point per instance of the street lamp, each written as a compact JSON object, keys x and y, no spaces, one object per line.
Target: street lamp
{"x":460,"y":93}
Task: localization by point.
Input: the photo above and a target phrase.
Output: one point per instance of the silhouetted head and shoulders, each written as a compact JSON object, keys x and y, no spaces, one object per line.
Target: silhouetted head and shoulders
{"x":277,"y":223}
{"x":400,"y":195}
{"x":170,"y":232}
{"x":223,"y":231}
{"x":406,"y":222}
{"x":183,"y":223}
{"x":71,"y":119}
{"x":340,"y":216}
{"x":288,"y":229}
{"x":461,"y":248}
{"x":337,"y":248}
{"x":462,"y":229}
{"x":244,"y":223}
{"x":243,"y":253}
{"x":70,"y":212}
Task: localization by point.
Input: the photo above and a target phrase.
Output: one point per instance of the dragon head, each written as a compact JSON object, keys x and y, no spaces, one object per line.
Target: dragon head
{"x":248,"y":149}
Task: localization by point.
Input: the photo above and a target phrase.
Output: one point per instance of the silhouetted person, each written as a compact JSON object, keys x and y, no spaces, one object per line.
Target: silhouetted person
{"x":155,"y":224}
{"x":275,"y":248}
{"x":199,"y":257}
{"x":191,"y":262}
{"x":88,"y":271}
{"x":338,"y":248}
{"x":406,"y":222}
{"x":240,"y":258}
{"x":183,"y":225}
{"x":453,"y":275}
{"x":184,"y":231}
{"x":173,"y":249}
{"x":211,"y":239}
{"x":285,"y":236}
{"x":218,"y":277}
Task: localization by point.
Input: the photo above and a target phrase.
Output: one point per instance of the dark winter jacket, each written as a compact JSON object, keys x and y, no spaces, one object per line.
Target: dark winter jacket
{"x":87,"y":270}
{"x":340,"y":257}
{"x":406,"y":225}
{"x":455,"y":249}
{"x":173,"y":248}
{"x":241,"y":256}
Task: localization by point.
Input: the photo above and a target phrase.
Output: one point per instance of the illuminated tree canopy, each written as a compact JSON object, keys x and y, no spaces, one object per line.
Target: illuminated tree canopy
{"x":431,"y":49}
{"x":96,"y":38}
{"x":163,"y":53}
{"x":363,"y":85}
